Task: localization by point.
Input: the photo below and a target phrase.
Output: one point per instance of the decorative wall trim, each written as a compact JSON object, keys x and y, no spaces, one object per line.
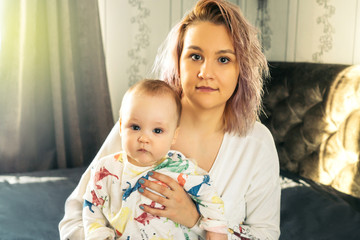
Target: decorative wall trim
{"x":287,"y":30}
{"x":326,"y":40}
{"x":263,"y":23}
{"x":357,"y":32}
{"x":141,"y":41}
{"x":296,"y":27}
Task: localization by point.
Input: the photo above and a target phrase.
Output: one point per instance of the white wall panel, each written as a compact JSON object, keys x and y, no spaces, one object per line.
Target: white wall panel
{"x":175,"y":9}
{"x":292,"y":29}
{"x":120,"y":36}
{"x":308,"y":32}
{"x":344,"y":21}
{"x":279,"y":28}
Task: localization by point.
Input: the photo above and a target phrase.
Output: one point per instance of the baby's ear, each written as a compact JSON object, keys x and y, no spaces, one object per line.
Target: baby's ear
{"x":120,"y":126}
{"x":175,"y":136}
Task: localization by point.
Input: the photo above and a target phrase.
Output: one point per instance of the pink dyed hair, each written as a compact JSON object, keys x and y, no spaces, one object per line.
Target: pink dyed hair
{"x":244,"y":106}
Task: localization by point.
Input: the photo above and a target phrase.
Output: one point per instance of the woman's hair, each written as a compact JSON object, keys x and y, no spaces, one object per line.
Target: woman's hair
{"x":244,"y":106}
{"x":154,"y":87}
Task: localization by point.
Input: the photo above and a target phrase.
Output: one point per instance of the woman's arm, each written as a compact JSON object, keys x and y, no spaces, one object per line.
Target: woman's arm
{"x":71,"y":226}
{"x":263,"y":192}
{"x":263,"y":206}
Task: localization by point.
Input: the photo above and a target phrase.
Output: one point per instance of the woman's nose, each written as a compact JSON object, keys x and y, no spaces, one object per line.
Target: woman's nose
{"x":206,"y":71}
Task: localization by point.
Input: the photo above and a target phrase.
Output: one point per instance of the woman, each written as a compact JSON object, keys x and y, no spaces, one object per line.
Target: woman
{"x":214,"y":60}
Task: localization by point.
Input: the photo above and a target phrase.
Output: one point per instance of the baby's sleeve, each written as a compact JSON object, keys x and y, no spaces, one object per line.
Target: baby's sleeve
{"x":95,"y":199}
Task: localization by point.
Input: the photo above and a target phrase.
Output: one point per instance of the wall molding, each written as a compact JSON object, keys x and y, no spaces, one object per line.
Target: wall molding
{"x":141,"y":40}
{"x":326,"y":40}
{"x":262,"y":22}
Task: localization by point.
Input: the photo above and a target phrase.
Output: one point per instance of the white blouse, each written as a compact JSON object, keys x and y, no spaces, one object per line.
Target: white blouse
{"x":245,"y":174}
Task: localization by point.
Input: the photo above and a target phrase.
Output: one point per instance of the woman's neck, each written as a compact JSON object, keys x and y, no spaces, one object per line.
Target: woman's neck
{"x":201,"y":134}
{"x":205,"y":121}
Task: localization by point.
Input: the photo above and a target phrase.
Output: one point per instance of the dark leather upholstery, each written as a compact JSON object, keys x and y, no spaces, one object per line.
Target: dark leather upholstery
{"x":313,"y":112}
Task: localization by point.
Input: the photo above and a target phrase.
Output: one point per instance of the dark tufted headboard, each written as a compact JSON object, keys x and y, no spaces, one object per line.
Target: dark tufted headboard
{"x":313,"y":112}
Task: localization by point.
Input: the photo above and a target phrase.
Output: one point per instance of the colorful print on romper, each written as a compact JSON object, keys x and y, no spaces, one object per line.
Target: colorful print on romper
{"x":120,"y":220}
{"x":102,"y":173}
{"x":195,"y":189}
{"x":130,"y":189}
{"x":119,"y":157}
{"x":182,"y":179}
{"x":145,"y":217}
{"x":176,"y":166}
{"x":88,"y":204}
{"x":97,"y":201}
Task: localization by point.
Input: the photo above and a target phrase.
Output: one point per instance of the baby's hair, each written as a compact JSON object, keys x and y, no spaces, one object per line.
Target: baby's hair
{"x":244,"y":106}
{"x":154,"y":87}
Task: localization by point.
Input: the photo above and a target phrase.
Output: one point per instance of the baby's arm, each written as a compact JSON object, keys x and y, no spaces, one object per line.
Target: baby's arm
{"x":95,"y":223}
{"x":96,"y":198}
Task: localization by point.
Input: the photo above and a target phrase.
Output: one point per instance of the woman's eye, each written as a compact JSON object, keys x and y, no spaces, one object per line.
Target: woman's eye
{"x":157,"y":130}
{"x":195,"y":57}
{"x":135,"y":127}
{"x":224,"y":60}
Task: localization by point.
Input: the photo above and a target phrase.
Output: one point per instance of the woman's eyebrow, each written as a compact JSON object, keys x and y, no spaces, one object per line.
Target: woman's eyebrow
{"x":194,"y":47}
{"x":226,"y":51}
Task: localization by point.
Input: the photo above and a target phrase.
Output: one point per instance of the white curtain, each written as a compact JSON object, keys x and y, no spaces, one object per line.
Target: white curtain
{"x":55,"y":107}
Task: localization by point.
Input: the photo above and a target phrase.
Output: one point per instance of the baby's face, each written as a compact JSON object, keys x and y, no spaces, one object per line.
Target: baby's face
{"x":148,"y":126}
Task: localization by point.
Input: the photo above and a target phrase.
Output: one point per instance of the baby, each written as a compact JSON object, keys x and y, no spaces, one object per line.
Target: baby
{"x":149,"y":120}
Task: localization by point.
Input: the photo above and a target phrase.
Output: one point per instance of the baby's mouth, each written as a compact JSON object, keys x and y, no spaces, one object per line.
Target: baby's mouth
{"x":143,"y":150}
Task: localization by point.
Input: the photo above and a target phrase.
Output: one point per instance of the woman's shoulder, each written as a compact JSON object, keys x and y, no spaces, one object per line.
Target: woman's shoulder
{"x":258,"y":133}
{"x":257,"y":147}
{"x":257,"y":142}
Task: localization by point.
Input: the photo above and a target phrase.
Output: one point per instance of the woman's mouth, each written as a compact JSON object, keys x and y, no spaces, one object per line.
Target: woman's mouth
{"x":205,"y":89}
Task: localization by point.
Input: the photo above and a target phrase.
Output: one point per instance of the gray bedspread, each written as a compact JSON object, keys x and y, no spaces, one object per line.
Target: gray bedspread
{"x":32,"y":204}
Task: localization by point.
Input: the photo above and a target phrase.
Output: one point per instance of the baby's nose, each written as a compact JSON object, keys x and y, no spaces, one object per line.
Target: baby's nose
{"x":143,"y":139}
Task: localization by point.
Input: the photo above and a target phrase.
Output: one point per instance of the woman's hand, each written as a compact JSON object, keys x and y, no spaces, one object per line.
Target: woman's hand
{"x":178,"y":205}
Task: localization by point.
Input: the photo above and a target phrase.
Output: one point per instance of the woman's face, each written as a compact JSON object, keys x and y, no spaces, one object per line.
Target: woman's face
{"x":208,"y":67}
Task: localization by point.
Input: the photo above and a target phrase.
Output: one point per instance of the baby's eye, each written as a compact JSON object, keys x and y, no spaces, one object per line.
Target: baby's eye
{"x":135,"y":127}
{"x":195,"y":57}
{"x":157,"y":130}
{"x":224,"y":59}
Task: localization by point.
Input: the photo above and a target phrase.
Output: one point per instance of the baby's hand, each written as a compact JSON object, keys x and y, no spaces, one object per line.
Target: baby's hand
{"x":216,"y":236}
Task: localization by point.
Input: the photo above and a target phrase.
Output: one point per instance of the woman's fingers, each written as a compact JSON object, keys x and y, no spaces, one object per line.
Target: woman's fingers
{"x":161,"y":199}
{"x":157,"y":186}
{"x":170,"y":182}
{"x":178,"y":206}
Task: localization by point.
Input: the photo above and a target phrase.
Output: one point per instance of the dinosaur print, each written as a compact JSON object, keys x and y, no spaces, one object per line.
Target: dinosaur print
{"x":130,"y":189}
{"x":176,"y":166}
{"x":102,"y":173}
{"x":182,"y":179}
{"x":88,"y":204}
{"x":145,"y":217}
{"x":118,"y":157}
{"x":195,"y":190}
{"x":97,"y":201}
